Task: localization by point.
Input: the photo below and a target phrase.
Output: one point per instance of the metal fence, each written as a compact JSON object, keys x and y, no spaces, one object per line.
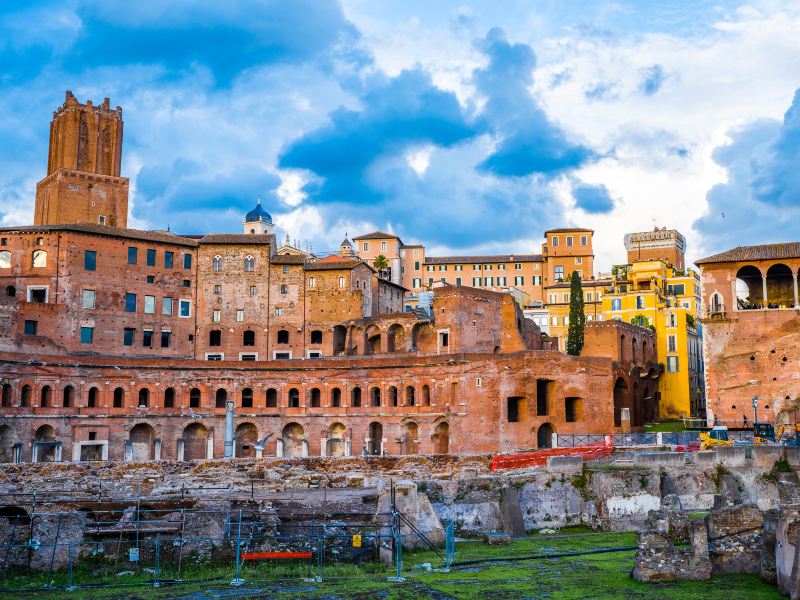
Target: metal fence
{"x":628,"y":440}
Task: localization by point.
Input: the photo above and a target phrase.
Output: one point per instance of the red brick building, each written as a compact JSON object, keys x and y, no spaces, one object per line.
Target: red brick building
{"x":127,"y":344}
{"x":752,"y":333}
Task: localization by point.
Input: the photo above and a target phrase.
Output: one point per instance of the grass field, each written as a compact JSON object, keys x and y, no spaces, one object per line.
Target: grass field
{"x":604,"y":575}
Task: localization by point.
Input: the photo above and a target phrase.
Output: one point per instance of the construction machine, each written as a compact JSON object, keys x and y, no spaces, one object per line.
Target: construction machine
{"x":764,"y":433}
{"x":717,"y":437}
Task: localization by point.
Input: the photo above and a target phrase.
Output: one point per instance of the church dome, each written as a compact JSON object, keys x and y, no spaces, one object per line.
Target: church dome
{"x":258,"y":214}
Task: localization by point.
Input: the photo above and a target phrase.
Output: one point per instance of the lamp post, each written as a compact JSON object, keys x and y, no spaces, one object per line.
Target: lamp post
{"x":755,"y":411}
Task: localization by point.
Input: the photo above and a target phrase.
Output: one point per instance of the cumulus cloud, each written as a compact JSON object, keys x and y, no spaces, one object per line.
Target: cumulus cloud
{"x":528,"y":142}
{"x":761,"y":197}
{"x":592,"y":198}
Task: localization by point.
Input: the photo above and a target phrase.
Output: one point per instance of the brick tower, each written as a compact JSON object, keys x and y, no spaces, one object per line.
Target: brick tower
{"x":83,"y":183}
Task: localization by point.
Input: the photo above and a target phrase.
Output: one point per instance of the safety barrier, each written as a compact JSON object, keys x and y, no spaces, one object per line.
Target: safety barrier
{"x":539,"y":457}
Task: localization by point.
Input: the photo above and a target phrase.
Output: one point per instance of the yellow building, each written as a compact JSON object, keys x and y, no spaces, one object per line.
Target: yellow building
{"x":653,"y":293}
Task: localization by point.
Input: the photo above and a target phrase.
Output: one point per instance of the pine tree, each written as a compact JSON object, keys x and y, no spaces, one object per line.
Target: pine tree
{"x":577,"y":318}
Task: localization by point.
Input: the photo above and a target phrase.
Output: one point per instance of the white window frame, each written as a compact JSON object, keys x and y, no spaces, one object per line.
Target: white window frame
{"x":216,"y":315}
{"x":314,"y":354}
{"x":365,"y":246}
{"x":254,"y":354}
{"x":384,"y":246}
{"x":5,"y":254}
{"x":276,"y":352}
{"x":93,"y":296}
{"x":181,"y":303}
{"x":151,"y":306}
{"x":212,"y":355}
{"x":240,"y":315}
{"x":166,"y":301}
{"x":32,"y":288}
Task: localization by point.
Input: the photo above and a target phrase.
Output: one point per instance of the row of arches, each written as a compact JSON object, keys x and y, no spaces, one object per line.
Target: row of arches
{"x":196,"y":441}
{"x":375,"y":339}
{"x":334,"y":397}
{"x":756,"y":289}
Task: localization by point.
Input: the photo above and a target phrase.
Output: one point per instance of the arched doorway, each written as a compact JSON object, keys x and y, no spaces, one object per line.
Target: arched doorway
{"x":372,"y":340}
{"x":336,"y":441}
{"x":620,"y":400}
{"x":142,"y":438}
{"x":395,"y":338}
{"x":415,"y":336}
{"x":441,"y":438}
{"x":46,"y":434}
{"x":411,"y":438}
{"x":245,"y":439}
{"x":749,"y":288}
{"x":339,"y":339}
{"x":544,"y":436}
{"x":293,"y":437}
{"x":6,"y":444}
{"x":195,"y":442}
{"x":780,"y":287}
{"x":375,"y":438}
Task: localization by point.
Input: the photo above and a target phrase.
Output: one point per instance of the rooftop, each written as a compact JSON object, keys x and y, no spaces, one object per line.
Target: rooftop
{"x":377,"y":235}
{"x":497,"y":258}
{"x":760,"y":252}
{"x":245,"y":239}
{"x":164,"y":237}
{"x":568,"y":230}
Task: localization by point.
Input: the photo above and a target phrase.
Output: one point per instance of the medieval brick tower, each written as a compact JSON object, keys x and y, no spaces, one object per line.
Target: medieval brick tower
{"x":83,"y":183}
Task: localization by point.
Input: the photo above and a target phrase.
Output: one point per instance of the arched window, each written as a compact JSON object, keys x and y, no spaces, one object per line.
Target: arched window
{"x":375,"y":394}
{"x":5,"y":259}
{"x":312,"y":282}
{"x":314,"y":396}
{"x":169,"y":398}
{"x":247,"y":398}
{"x":119,"y":397}
{"x":249,"y":263}
{"x":426,"y":395}
{"x":392,"y":396}
{"x":194,"y":398}
{"x":355,"y":397}
{"x":249,"y":338}
{"x":283,"y":336}
{"x":67,"y":396}
{"x":6,"y":395}
{"x":316,"y":337}
{"x":639,"y":302}
{"x":11,"y":291}
{"x":25,"y":398}
{"x":221,"y":398}
{"x":410,"y":395}
{"x":216,"y":263}
{"x":341,"y":282}
{"x":39,"y":259}
{"x":284,"y":289}
{"x":294,"y":398}
{"x":336,"y":397}
{"x":272,"y":398}
{"x":91,"y":399}
{"x":144,"y":397}
{"x":46,"y":395}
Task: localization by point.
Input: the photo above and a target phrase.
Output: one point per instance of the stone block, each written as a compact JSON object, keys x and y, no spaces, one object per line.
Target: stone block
{"x":705,"y":458}
{"x":732,"y":456}
{"x":765,"y":456}
{"x":659,"y":459}
{"x":792,"y":454}
{"x":496,"y":538}
{"x":698,"y":534}
{"x":565,"y":464}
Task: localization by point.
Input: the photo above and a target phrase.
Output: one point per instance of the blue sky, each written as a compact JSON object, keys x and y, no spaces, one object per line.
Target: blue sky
{"x":467,"y":126}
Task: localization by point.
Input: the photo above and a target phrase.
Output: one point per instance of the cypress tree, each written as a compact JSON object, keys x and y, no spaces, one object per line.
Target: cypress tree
{"x":577,"y":318}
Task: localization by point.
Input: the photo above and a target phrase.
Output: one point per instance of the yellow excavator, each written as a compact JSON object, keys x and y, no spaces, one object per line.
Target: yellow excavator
{"x":764,"y":434}
{"x":717,"y":437}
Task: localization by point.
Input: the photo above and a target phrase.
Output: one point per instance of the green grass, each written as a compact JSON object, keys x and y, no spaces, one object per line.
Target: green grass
{"x":590,"y":576}
{"x":666,"y":426}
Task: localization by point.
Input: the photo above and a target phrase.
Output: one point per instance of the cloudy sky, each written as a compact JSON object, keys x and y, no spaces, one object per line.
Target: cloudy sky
{"x":467,"y":126}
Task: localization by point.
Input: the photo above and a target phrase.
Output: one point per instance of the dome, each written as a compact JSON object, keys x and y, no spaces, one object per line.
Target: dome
{"x":258,"y":214}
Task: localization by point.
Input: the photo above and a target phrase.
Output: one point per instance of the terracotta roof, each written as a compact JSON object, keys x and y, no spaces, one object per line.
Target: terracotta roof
{"x":333,"y":258}
{"x":377,"y":235}
{"x":500,"y":258}
{"x":568,"y":230}
{"x":342,"y":265}
{"x":164,"y":237}
{"x":244,"y":239}
{"x":761,"y":252}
